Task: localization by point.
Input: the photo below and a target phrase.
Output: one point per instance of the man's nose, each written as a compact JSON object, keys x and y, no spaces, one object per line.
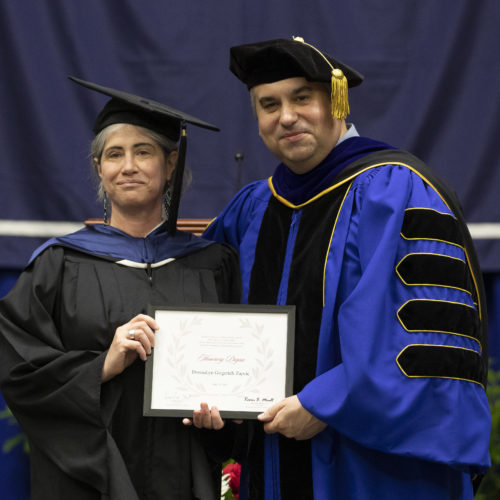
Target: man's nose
{"x":288,"y":115}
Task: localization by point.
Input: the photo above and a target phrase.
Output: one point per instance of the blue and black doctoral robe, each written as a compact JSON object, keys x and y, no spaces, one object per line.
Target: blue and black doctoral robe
{"x":391,"y":345}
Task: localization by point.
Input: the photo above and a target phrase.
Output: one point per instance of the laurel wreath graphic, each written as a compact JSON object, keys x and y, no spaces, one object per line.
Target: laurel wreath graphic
{"x":176,"y":359}
{"x":184,"y":383}
{"x":264,"y":361}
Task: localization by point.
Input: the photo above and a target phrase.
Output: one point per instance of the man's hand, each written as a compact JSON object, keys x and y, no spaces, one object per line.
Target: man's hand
{"x":290,"y":418}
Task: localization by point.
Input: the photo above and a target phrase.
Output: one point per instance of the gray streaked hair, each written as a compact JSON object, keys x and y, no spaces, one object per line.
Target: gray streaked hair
{"x":97,"y":148}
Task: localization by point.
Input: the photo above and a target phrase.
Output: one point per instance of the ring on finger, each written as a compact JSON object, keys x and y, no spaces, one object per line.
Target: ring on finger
{"x":131,"y":334}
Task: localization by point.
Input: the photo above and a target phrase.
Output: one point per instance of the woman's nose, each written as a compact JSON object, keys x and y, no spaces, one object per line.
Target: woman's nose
{"x":129,"y":163}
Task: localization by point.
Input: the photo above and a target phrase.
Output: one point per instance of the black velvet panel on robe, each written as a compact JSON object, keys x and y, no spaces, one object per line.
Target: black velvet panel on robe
{"x":305,"y":290}
{"x":91,"y":441}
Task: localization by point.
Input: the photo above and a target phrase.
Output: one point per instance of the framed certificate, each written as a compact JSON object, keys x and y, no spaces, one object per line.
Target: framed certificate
{"x":236,"y":357}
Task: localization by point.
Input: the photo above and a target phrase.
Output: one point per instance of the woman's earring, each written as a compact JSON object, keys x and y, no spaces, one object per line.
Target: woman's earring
{"x":105,"y":206}
{"x":167,"y":199}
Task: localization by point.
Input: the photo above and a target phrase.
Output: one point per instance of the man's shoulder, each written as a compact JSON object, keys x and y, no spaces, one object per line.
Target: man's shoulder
{"x":364,"y":169}
{"x":249,"y":195}
{"x":383,"y":159}
{"x":259,"y":188}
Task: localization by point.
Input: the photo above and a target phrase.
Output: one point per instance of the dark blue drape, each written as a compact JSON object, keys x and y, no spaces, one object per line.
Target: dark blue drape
{"x":431,"y":87}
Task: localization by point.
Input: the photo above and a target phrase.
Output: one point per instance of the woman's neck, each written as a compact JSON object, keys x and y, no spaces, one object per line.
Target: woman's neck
{"x":138,"y":225}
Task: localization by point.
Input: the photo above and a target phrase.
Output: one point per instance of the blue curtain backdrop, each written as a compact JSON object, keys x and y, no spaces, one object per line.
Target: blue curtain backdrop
{"x":431,"y":87}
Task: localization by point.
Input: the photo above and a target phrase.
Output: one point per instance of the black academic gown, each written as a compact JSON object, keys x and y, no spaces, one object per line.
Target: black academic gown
{"x":89,"y":440}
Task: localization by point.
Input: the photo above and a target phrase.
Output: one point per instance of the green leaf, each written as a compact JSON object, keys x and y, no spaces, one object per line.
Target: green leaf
{"x":490,"y":486}
{"x":12,"y":442}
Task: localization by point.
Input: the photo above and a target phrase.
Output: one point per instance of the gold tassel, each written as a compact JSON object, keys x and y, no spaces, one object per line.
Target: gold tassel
{"x":339,"y":94}
{"x":339,"y":97}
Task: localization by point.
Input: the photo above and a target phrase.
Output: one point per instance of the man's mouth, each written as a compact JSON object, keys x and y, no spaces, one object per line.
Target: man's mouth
{"x":293,"y":136}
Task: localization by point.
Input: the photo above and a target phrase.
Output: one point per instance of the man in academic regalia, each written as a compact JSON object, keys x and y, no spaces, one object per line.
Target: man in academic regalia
{"x":391,"y":345}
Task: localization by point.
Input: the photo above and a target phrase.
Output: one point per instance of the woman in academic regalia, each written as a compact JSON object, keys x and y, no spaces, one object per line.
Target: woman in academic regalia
{"x":74,"y":333}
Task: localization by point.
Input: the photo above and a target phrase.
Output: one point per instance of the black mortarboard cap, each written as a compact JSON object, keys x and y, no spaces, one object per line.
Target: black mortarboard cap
{"x":135,"y":110}
{"x":273,"y":60}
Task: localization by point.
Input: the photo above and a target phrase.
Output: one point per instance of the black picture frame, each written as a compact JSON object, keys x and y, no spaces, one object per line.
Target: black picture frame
{"x":257,"y":333}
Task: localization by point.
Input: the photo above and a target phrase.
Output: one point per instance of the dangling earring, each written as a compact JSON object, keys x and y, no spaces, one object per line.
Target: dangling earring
{"x":105,"y":206}
{"x":167,"y":199}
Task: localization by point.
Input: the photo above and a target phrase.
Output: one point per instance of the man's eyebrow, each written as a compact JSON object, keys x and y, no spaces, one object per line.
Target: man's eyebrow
{"x":271,"y":98}
{"x":302,"y":89}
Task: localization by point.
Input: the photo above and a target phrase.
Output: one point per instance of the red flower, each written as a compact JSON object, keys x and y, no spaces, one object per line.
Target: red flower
{"x":234,"y":471}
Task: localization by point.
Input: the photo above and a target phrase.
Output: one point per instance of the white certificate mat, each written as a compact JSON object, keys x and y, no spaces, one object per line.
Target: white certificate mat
{"x":236,"y":357}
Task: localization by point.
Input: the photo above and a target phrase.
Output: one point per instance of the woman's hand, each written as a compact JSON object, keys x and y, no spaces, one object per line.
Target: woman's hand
{"x":133,"y":339}
{"x":205,"y":418}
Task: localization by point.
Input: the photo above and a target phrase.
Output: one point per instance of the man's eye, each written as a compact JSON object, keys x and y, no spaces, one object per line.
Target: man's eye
{"x":268,"y":105}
